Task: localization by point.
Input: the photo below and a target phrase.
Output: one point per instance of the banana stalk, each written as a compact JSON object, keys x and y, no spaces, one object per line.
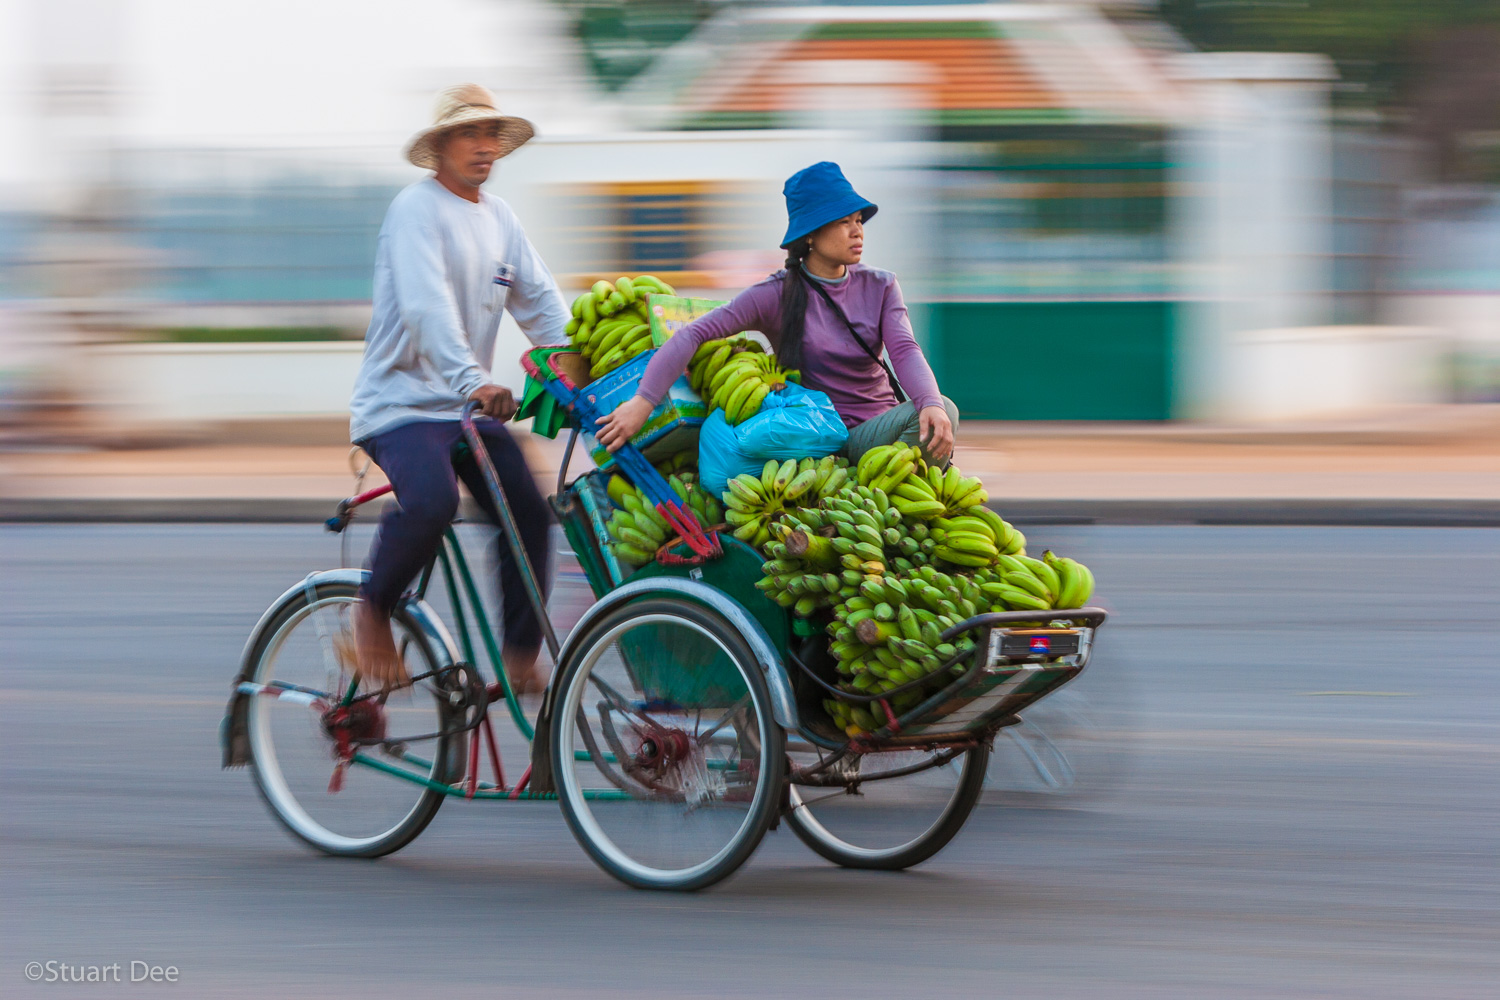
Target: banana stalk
{"x":812,"y":549}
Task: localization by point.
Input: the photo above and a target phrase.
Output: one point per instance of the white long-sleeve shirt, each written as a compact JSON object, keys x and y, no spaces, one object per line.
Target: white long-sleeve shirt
{"x":445,"y":270}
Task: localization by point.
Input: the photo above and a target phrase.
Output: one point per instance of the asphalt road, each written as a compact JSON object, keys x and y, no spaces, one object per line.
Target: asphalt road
{"x":1289,"y":787}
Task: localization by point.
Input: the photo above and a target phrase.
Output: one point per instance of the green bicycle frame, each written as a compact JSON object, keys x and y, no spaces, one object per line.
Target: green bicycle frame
{"x":464,"y":598}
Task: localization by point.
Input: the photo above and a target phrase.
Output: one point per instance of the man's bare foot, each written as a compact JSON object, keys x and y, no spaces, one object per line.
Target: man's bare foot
{"x":379,"y":663}
{"x":526,"y":677}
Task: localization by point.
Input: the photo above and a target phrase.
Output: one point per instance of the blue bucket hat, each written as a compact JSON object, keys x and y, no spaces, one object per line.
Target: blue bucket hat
{"x":817,"y":195}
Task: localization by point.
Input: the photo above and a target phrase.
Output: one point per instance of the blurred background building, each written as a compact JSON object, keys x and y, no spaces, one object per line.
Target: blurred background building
{"x":1108,"y":211}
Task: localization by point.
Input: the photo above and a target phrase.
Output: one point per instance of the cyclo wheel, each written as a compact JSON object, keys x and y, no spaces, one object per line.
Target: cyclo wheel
{"x":293,"y":755}
{"x":667,"y":760}
{"x":881,"y":817}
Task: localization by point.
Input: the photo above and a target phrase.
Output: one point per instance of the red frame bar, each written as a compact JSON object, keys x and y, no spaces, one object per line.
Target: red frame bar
{"x":489,"y":742}
{"x":367,"y":496}
{"x":471,"y":779}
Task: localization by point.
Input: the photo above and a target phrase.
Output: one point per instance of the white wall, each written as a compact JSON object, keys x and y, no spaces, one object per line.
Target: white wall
{"x":1252,"y":197}
{"x":1471,"y":323}
{"x":1472,"y":319}
{"x":1318,"y":372}
{"x":162,"y":384}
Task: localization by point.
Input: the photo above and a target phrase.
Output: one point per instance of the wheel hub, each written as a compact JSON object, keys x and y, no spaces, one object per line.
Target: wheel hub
{"x":671,"y":761}
{"x":349,"y":724}
{"x":661,"y":748}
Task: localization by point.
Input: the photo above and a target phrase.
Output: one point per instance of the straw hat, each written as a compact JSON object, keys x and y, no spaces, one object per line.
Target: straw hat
{"x":463,"y":105}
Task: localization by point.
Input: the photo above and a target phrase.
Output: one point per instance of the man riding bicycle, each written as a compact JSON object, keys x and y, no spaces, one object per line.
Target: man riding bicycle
{"x":450,"y":260}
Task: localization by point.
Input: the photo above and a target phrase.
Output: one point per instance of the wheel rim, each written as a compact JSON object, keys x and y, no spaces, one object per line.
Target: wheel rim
{"x":889,"y":816}
{"x":671,"y":816}
{"x":294,"y":757}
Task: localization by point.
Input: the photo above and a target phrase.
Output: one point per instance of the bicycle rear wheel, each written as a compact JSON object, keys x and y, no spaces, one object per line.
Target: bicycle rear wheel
{"x":667,"y":760}
{"x":886,"y":811}
{"x":358,"y":810}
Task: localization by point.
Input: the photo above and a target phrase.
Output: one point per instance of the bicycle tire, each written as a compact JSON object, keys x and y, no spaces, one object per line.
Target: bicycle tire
{"x":265,"y":768}
{"x":803,"y":820}
{"x":573,"y":680}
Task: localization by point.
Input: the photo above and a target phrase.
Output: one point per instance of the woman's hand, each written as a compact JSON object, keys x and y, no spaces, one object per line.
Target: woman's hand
{"x":935,"y":431}
{"x":628,"y":418}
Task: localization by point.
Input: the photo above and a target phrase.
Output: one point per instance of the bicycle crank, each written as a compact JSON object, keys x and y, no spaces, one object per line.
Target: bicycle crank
{"x":462,"y":697}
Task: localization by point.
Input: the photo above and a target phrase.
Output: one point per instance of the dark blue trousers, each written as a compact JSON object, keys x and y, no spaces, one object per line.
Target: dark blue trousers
{"x":418,"y":460}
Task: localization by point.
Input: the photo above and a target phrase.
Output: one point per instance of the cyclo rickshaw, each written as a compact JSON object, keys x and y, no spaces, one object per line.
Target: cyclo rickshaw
{"x":684,"y":718}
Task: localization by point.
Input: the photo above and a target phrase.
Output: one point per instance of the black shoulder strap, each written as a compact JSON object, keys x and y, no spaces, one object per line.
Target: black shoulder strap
{"x":895,"y":384}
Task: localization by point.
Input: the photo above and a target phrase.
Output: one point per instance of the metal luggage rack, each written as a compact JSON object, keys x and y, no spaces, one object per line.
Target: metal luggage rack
{"x":1021,"y":658}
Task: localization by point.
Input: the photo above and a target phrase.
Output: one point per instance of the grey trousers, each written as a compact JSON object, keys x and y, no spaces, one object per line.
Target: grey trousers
{"x":899,"y":423}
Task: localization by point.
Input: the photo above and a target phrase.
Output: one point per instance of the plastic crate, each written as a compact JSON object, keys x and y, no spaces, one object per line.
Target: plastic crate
{"x":673,"y":425}
{"x":669,"y":313}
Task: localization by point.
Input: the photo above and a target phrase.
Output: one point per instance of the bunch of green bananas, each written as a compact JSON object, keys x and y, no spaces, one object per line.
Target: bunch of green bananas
{"x":754,"y":503}
{"x":896,"y":576}
{"x":610,"y":325}
{"x":896,"y":568}
{"x":888,"y":465}
{"x":637,"y":529}
{"x":702,"y":503}
{"x":939,"y":598}
{"x":682,"y":461}
{"x":1022,"y":583}
{"x":799,"y":585}
{"x":854,"y":539}
{"x":857,"y":719}
{"x":819,"y":557}
{"x":866,"y":527}
{"x":712,"y":355}
{"x":926,"y":491}
{"x":736,"y":375}
{"x":890,"y":633}
{"x":941,"y":493}
{"x":975,"y":538}
{"x":889,"y":636}
{"x":852,"y":535}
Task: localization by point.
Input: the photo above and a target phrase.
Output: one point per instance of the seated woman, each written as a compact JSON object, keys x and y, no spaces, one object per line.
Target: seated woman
{"x":828,"y":315}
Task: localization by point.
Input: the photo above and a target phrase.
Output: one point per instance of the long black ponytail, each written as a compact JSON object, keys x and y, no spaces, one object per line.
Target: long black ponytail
{"x":793,"y":307}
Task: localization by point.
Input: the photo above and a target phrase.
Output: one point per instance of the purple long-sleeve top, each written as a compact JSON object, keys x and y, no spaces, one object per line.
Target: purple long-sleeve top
{"x":832,"y":362}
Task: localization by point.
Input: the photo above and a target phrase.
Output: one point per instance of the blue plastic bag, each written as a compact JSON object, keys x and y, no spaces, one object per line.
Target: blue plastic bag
{"x":793,"y":423}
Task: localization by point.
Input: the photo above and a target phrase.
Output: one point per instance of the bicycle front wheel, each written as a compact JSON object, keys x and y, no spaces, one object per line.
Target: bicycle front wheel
{"x":359,"y":810}
{"x":667,"y":760}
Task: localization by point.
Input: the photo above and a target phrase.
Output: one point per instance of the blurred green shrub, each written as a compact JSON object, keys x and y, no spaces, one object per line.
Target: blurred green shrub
{"x":248,"y":335}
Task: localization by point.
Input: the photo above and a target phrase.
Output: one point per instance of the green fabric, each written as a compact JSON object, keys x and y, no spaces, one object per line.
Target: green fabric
{"x":546,"y":413}
{"x":735,"y":573}
{"x":899,"y":423}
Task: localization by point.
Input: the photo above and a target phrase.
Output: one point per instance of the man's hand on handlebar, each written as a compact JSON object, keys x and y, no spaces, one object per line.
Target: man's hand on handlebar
{"x":622,"y":425}
{"x":495,"y":401}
